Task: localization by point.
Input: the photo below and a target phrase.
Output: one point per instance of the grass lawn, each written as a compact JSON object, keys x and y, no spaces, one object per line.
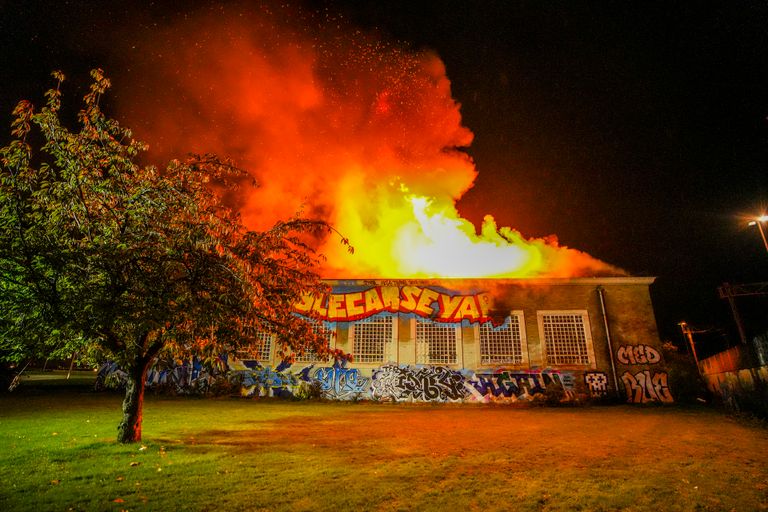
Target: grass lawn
{"x":57,"y":452}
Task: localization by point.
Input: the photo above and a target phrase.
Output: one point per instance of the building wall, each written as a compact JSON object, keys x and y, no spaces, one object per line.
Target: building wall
{"x":460,"y":308}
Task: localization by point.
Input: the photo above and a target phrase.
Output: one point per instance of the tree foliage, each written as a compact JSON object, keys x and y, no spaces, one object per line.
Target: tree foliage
{"x":100,"y":252}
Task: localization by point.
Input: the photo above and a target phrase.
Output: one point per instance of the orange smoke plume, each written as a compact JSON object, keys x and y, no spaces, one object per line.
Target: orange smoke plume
{"x":338,"y":124}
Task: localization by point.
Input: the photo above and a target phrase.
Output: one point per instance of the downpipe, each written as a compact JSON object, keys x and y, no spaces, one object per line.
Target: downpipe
{"x":601,"y":295}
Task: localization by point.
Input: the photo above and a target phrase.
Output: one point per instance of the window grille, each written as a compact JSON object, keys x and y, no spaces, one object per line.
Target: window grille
{"x":502,"y":344}
{"x":265,"y":346}
{"x":371,"y":337}
{"x":261,"y":350}
{"x":566,"y":339}
{"x":328,"y":333}
{"x":435,"y":343}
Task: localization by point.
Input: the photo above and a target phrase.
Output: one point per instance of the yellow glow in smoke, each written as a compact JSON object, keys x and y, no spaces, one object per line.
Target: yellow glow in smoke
{"x":438,"y":242}
{"x":400,"y":234}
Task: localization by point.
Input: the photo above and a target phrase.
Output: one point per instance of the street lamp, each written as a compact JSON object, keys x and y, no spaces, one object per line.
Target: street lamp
{"x":758,"y":221}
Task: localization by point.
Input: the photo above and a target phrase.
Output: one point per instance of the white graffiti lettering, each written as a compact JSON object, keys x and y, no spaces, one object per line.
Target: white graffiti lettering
{"x":429,"y":383}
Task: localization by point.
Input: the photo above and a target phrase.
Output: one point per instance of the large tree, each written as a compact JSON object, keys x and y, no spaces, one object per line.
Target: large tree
{"x":100,"y":252}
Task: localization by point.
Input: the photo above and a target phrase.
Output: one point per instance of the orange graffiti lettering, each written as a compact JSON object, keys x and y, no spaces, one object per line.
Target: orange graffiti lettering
{"x":448,"y":306}
{"x":354,"y":304}
{"x":425,"y":300}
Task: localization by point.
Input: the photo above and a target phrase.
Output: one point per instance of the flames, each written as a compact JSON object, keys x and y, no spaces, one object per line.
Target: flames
{"x":420,"y":236}
{"x":339,"y":125}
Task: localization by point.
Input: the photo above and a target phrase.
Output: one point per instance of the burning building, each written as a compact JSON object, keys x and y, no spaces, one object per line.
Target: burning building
{"x":341,"y":125}
{"x":478,"y":340}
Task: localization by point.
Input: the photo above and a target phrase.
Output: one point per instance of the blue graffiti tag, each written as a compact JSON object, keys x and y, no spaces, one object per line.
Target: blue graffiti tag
{"x":341,"y":383}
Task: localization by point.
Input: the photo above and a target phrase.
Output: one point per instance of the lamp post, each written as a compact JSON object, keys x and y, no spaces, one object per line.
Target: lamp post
{"x":758,"y":221}
{"x":688,"y":333}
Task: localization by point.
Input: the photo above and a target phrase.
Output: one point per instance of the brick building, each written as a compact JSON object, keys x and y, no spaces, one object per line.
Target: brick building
{"x":479,"y":340}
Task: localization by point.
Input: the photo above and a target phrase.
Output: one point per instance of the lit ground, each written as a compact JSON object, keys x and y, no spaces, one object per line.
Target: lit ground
{"x":57,"y":452}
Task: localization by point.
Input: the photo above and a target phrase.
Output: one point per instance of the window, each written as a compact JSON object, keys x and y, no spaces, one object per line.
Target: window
{"x":435,"y":343}
{"x":324,"y":328}
{"x":567,"y":339}
{"x":260,"y":351}
{"x":372,"y":339}
{"x":504,"y":344}
{"x":265,"y":346}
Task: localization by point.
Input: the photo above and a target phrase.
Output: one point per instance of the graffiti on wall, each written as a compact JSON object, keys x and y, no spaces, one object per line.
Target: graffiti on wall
{"x":597,"y":384}
{"x":110,"y":376}
{"x":428,"y":383}
{"x":389,"y":382}
{"x":638,"y":354}
{"x":505,"y":385}
{"x":425,"y":302}
{"x":395,"y":383}
{"x":341,"y":383}
{"x":411,"y":383}
{"x":181,"y":378}
{"x":267,"y":381}
{"x":644,"y":387}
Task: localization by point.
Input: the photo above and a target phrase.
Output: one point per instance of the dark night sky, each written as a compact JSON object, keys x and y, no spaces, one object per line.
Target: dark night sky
{"x":636,"y":132}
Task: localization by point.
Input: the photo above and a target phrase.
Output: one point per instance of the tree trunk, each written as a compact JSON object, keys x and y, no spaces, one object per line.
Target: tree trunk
{"x":129,"y":430}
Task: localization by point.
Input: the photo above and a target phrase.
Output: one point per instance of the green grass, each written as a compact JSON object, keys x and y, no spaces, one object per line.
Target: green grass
{"x":57,"y":452}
